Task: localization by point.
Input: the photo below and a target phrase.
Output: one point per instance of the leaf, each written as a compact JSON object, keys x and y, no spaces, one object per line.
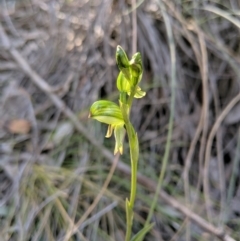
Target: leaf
{"x":19,"y":126}
{"x":141,"y":234}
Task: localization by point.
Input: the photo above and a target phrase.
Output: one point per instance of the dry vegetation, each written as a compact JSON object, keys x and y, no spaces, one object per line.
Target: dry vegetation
{"x":58,"y":177}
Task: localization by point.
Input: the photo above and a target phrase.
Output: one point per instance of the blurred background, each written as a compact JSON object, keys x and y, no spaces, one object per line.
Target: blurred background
{"x":58,"y":177}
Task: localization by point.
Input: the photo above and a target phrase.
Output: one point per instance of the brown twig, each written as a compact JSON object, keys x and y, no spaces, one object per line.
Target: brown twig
{"x":204,"y":74}
{"x":134,"y":26}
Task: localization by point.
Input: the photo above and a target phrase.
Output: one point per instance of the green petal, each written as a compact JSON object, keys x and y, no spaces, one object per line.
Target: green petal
{"x":136,"y":69}
{"x":136,"y":59}
{"x":109,"y":131}
{"x":123,"y":62}
{"x":139,"y":93}
{"x":106,"y":112}
{"x":119,"y":133}
{"x":122,"y":83}
{"x":121,"y":58}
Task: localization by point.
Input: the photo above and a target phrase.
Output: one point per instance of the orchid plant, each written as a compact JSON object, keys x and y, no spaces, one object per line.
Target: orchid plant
{"x":116,"y":116}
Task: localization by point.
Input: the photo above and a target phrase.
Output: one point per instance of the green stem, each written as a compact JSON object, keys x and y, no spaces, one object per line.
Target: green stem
{"x":123,"y":97}
{"x":134,"y":154}
{"x":130,"y":99}
{"x":134,"y":160}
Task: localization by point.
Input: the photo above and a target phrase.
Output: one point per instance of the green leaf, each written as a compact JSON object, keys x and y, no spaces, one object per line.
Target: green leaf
{"x":141,"y":234}
{"x":106,"y":112}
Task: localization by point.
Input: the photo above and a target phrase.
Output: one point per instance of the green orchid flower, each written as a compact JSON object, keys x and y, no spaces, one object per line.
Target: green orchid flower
{"x":123,"y":85}
{"x":117,"y":118}
{"x":132,"y":70}
{"x":130,"y":73}
{"x":109,"y":113}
